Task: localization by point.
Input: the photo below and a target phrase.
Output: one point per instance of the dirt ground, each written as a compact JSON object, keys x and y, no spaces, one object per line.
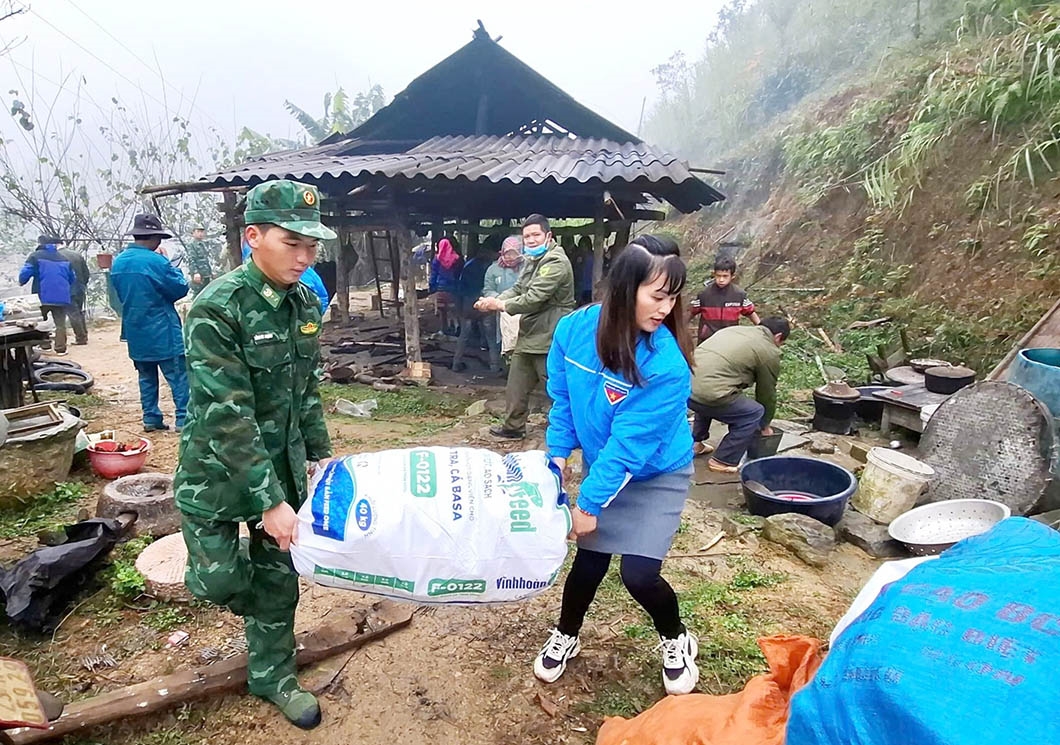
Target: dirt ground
{"x":455,"y":675}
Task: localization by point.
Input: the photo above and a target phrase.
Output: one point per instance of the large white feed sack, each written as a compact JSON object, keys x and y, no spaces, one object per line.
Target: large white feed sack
{"x":435,"y":525}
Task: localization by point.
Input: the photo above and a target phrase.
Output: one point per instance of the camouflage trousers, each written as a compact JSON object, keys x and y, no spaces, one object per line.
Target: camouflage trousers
{"x":256,"y":581}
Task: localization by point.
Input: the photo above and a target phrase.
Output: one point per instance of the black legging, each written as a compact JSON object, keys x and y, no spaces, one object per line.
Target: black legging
{"x":641,"y":577}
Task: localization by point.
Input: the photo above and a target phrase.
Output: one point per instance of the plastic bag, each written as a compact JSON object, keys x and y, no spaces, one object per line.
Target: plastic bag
{"x":364,"y":409}
{"x":435,"y":525}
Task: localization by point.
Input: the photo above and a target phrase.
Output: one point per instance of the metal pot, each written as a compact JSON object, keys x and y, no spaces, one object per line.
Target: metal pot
{"x":947,"y":380}
{"x":834,"y":415}
{"x":925,"y":364}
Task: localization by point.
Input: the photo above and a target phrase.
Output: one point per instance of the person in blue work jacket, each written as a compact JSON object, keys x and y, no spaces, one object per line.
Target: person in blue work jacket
{"x":619,"y":375}
{"x":145,"y":287}
{"x":53,"y":281}
{"x":310,"y":278}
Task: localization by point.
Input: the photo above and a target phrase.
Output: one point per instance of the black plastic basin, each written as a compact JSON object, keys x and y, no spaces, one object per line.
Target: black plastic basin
{"x":827,"y":487}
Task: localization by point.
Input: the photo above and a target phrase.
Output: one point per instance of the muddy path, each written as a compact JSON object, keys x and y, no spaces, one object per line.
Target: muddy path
{"x":456,"y":674}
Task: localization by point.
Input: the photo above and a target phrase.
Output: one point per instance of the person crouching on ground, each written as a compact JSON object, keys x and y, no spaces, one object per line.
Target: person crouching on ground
{"x":618,"y":376}
{"x":731,"y":360}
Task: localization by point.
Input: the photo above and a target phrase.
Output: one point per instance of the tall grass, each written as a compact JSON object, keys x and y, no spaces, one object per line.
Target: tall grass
{"x":1008,"y":80}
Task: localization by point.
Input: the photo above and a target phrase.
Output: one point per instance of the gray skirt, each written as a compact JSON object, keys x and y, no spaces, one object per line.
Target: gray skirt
{"x":643,"y":519}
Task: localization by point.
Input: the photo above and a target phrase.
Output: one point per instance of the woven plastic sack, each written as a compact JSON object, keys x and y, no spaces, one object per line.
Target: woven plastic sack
{"x":435,"y":525}
{"x":963,"y":650}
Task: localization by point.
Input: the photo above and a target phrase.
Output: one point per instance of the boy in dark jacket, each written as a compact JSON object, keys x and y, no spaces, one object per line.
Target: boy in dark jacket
{"x":53,"y":281}
{"x":722,"y":303}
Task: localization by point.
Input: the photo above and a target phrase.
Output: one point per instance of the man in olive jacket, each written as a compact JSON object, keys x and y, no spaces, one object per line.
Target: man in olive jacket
{"x":731,"y":360}
{"x":543,"y":294}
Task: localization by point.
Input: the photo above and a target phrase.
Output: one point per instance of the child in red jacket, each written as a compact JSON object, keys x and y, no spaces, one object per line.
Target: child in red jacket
{"x":722,"y":302}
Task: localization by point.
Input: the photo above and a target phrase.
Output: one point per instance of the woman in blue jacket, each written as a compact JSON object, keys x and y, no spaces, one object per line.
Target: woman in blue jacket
{"x":619,"y":376}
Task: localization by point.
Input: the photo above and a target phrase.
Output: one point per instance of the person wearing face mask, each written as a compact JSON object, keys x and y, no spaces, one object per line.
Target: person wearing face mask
{"x":502,"y":276}
{"x":543,"y":294}
{"x":619,"y":377}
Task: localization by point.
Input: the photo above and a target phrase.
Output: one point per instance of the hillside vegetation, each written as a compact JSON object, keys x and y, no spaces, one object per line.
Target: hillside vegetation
{"x":918,"y":182}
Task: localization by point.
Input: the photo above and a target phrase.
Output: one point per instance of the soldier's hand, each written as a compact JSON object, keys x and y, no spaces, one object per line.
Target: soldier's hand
{"x":281,"y":523}
{"x":196,"y":278}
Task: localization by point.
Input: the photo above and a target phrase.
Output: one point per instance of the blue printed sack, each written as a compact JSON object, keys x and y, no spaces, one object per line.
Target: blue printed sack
{"x":963,"y":650}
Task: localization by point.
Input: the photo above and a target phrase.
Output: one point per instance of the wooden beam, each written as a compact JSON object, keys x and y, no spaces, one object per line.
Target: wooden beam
{"x":405,"y":273}
{"x":230,"y":215}
{"x":227,"y":676}
{"x":713,"y":171}
{"x":341,"y":310}
{"x":621,"y":239}
{"x":598,"y":243}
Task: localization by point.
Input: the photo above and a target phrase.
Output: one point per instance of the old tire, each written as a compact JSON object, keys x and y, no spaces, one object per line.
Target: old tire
{"x":55,"y":362}
{"x":59,"y":378}
{"x":150,"y":496}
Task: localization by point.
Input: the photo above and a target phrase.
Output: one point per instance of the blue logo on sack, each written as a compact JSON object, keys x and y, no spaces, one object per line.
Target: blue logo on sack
{"x":332,"y":497}
{"x":363,"y":511}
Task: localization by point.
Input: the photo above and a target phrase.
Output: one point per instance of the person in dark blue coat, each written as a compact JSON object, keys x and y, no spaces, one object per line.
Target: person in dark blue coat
{"x":619,"y":376}
{"x":53,"y":281}
{"x":146,"y":286}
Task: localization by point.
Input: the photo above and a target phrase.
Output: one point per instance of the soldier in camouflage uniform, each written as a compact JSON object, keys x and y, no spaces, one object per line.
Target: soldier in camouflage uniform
{"x":199,"y":266}
{"x":255,"y":424}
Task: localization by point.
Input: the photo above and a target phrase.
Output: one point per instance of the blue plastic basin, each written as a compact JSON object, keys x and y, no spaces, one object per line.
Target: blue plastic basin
{"x":1038,"y":371}
{"x":832,"y":486}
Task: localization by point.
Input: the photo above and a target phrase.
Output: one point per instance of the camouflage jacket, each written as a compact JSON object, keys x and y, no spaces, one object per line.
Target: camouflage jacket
{"x":255,"y":415}
{"x":199,"y":259}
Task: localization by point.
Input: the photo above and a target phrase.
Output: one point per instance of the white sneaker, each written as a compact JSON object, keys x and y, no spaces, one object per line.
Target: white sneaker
{"x":680,"y":673}
{"x":551,"y":663}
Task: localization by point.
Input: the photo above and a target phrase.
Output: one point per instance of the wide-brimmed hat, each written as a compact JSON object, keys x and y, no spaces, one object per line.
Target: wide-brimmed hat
{"x":148,"y":226}
{"x":289,"y":204}
{"x":47,"y":239}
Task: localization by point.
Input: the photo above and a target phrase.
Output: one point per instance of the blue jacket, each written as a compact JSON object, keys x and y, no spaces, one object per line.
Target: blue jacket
{"x":145,"y":286}
{"x":442,"y":279}
{"x":312,"y":280}
{"x":625,"y":432}
{"x":53,"y":277}
{"x":472,"y":277}
{"x":309,"y":278}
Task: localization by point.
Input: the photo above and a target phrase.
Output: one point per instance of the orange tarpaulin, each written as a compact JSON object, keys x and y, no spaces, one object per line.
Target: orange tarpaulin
{"x":757,"y":715}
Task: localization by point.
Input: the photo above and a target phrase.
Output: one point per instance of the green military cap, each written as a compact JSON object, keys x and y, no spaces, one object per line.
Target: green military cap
{"x":289,"y":204}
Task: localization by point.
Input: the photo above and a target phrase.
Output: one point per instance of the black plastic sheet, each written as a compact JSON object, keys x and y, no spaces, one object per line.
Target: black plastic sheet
{"x":39,"y":587}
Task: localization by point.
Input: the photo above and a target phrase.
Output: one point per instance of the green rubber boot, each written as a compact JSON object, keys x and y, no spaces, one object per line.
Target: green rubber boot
{"x":299,"y":706}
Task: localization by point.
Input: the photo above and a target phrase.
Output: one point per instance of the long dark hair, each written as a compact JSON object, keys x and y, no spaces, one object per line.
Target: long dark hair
{"x":645,"y":258}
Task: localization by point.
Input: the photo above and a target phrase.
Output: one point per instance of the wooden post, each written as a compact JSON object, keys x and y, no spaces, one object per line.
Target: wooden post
{"x":232,"y":232}
{"x":341,"y":312}
{"x":395,"y":266}
{"x":598,"y":244}
{"x":621,"y":237}
{"x":406,"y":274}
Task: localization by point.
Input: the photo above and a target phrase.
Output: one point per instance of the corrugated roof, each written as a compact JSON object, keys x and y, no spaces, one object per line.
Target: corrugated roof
{"x":515,"y":160}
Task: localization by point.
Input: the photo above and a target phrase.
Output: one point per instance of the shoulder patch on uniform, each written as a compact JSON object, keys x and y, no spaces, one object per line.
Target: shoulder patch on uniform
{"x":544,"y":271}
{"x":615,"y":394}
{"x":309,"y":328}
